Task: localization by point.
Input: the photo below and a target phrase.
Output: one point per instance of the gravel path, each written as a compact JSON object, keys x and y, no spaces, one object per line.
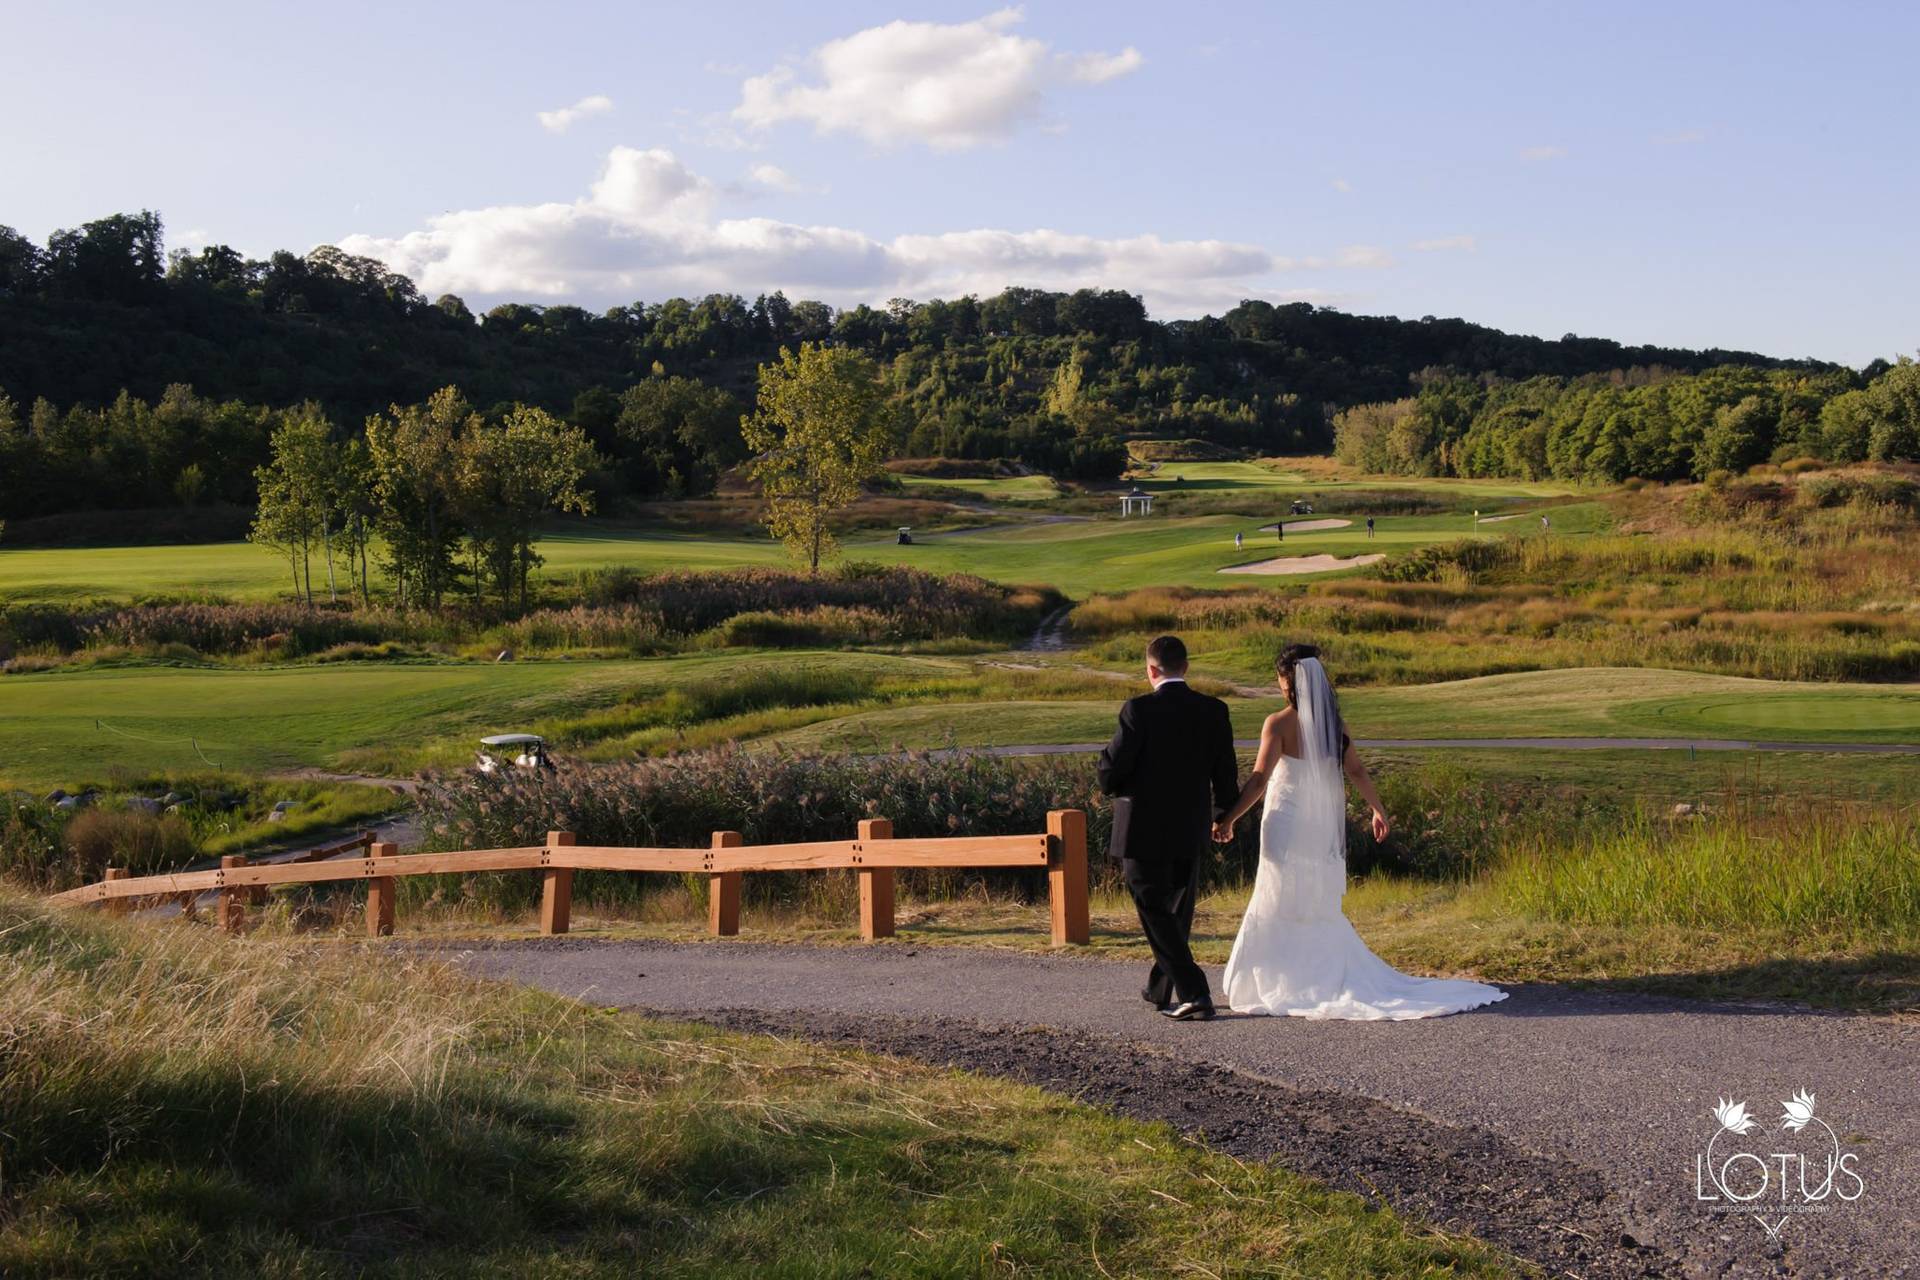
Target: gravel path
{"x":1560,"y":1123}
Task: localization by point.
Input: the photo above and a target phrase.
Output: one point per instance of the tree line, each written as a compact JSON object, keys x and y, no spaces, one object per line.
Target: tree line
{"x":1650,"y":423}
{"x":438,"y":493}
{"x":1055,"y":379}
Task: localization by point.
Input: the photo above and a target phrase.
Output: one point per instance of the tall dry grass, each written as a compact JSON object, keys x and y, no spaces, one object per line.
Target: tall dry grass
{"x":1830,"y":873}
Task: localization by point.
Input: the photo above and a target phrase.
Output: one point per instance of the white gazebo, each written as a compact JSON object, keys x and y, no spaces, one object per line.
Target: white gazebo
{"x":1137,"y":503}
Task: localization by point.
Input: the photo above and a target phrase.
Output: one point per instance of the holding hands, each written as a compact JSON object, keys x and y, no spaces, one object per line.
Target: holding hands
{"x":1382,"y":828}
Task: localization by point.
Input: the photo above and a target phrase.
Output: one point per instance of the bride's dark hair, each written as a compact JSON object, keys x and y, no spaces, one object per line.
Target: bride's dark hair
{"x":1292,"y":656}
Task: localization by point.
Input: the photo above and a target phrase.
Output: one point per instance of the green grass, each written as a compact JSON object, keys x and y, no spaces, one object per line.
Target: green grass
{"x":1077,"y":556}
{"x":376,"y":717}
{"x":1276,"y":475}
{"x":1602,"y":702}
{"x":364,"y":715}
{"x":994,"y":489}
{"x":177,"y":1102}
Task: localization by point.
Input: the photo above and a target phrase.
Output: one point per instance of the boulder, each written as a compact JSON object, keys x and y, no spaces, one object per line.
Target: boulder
{"x":67,"y":802}
{"x":1684,"y":810}
{"x":278,"y":815}
{"x":56,"y":795}
{"x":144,"y":804}
{"x":172,"y":797}
{"x":282,"y":806}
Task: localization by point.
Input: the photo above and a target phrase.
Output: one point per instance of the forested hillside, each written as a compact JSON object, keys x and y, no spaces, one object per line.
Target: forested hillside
{"x":134,"y":378}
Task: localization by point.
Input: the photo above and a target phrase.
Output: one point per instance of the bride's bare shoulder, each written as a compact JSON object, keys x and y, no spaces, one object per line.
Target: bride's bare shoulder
{"x":1280,"y":720}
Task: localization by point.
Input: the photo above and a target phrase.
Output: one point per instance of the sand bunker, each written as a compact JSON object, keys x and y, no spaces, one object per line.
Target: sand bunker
{"x":1303,"y":564}
{"x":1497,"y":519}
{"x":1309,"y":526}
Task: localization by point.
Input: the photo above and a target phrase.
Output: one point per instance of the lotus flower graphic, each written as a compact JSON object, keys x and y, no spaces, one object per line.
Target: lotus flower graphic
{"x":1797,"y":1112}
{"x":1733,"y":1116}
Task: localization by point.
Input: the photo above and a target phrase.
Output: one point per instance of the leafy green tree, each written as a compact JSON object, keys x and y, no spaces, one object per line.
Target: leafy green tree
{"x":1893,"y":401}
{"x":415,"y":459}
{"x":675,"y":435}
{"x":297,"y":495}
{"x":511,"y":476}
{"x":821,"y":429}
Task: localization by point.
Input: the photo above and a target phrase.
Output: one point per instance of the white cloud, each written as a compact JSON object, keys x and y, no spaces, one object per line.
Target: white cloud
{"x":774,"y":177}
{"x":1542,"y":153}
{"x":648,"y":228}
{"x":1442,"y":244}
{"x":948,"y":85}
{"x":1368,"y":256}
{"x":561,"y":119}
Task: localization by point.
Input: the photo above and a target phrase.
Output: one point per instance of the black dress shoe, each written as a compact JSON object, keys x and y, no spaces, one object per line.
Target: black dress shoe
{"x":1188,"y":1011}
{"x":1146,"y":993}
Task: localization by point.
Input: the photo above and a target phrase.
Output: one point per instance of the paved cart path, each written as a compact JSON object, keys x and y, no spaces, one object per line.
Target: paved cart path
{"x":1615,"y":1086}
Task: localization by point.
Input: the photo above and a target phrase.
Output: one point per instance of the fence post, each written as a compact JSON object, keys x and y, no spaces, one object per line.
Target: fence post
{"x":876,"y":883}
{"x":116,"y":906}
{"x":229,"y":912}
{"x":556,"y":888}
{"x":723,"y":891}
{"x":380,"y":894}
{"x":1067,"y":875}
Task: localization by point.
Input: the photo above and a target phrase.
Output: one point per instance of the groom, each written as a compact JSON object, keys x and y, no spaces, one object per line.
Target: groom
{"x":1172,"y":771}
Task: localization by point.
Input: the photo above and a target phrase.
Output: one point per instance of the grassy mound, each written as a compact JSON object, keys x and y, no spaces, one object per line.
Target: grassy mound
{"x":179,"y":1103}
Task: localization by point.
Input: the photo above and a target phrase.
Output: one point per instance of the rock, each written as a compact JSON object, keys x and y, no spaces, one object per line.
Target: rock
{"x":278,"y":815}
{"x":172,"y":797}
{"x":56,"y":795}
{"x":67,"y":802}
{"x":1683,"y":810}
{"x":282,"y":806}
{"x":174,"y":807}
{"x":505,"y":655}
{"x":143,"y":804}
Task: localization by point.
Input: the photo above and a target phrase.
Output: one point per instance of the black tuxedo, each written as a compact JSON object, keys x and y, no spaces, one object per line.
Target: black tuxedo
{"x":1172,"y":770}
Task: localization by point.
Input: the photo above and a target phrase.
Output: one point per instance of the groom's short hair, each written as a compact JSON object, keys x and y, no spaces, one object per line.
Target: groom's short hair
{"x":1168,"y":654}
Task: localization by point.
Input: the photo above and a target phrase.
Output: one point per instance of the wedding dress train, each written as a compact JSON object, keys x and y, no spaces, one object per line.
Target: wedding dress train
{"x":1296,"y":954}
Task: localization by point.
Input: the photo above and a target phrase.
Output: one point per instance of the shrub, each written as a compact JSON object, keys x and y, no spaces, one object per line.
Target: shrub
{"x":51,"y":849}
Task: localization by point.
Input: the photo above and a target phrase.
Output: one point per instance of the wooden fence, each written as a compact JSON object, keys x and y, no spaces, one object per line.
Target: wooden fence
{"x":873,"y":854}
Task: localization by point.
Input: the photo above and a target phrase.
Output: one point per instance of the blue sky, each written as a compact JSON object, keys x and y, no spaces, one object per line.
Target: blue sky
{"x":1733,"y":175}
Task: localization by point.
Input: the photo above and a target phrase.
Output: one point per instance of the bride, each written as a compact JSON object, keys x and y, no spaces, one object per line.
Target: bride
{"x":1296,"y":954}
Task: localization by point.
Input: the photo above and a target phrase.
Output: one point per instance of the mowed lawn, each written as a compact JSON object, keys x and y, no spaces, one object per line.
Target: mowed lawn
{"x":71,"y":727}
{"x":1587,"y":702}
{"x":67,"y":727}
{"x":1077,"y":556}
{"x":1273,"y":474}
{"x":993,"y":488}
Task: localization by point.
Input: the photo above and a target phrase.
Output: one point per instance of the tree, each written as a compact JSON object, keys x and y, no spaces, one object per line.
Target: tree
{"x":414,"y":453}
{"x":821,"y":429}
{"x":511,"y":476}
{"x":298,"y":495}
{"x":675,"y":436}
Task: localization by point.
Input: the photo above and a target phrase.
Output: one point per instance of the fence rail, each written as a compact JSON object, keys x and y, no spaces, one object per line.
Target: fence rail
{"x":873,"y":854}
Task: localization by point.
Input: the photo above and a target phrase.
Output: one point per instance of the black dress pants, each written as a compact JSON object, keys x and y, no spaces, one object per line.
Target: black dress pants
{"x":1164,"y":894}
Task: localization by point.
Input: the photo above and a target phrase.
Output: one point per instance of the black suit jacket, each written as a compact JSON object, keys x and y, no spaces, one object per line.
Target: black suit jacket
{"x":1171,"y":764}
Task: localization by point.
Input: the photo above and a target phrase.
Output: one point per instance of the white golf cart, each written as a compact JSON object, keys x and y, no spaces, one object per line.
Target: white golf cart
{"x":516,"y":750}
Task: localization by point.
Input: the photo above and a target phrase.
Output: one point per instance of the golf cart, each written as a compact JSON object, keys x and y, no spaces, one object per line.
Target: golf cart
{"x":519,"y":750}
{"x":906,"y":536}
{"x":1301,"y":508}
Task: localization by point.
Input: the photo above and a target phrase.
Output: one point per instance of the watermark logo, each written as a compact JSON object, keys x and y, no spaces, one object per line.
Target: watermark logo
{"x":1773,"y":1174}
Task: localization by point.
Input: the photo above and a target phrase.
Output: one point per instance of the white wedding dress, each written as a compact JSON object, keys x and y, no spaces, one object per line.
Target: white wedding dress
{"x":1296,"y":955}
